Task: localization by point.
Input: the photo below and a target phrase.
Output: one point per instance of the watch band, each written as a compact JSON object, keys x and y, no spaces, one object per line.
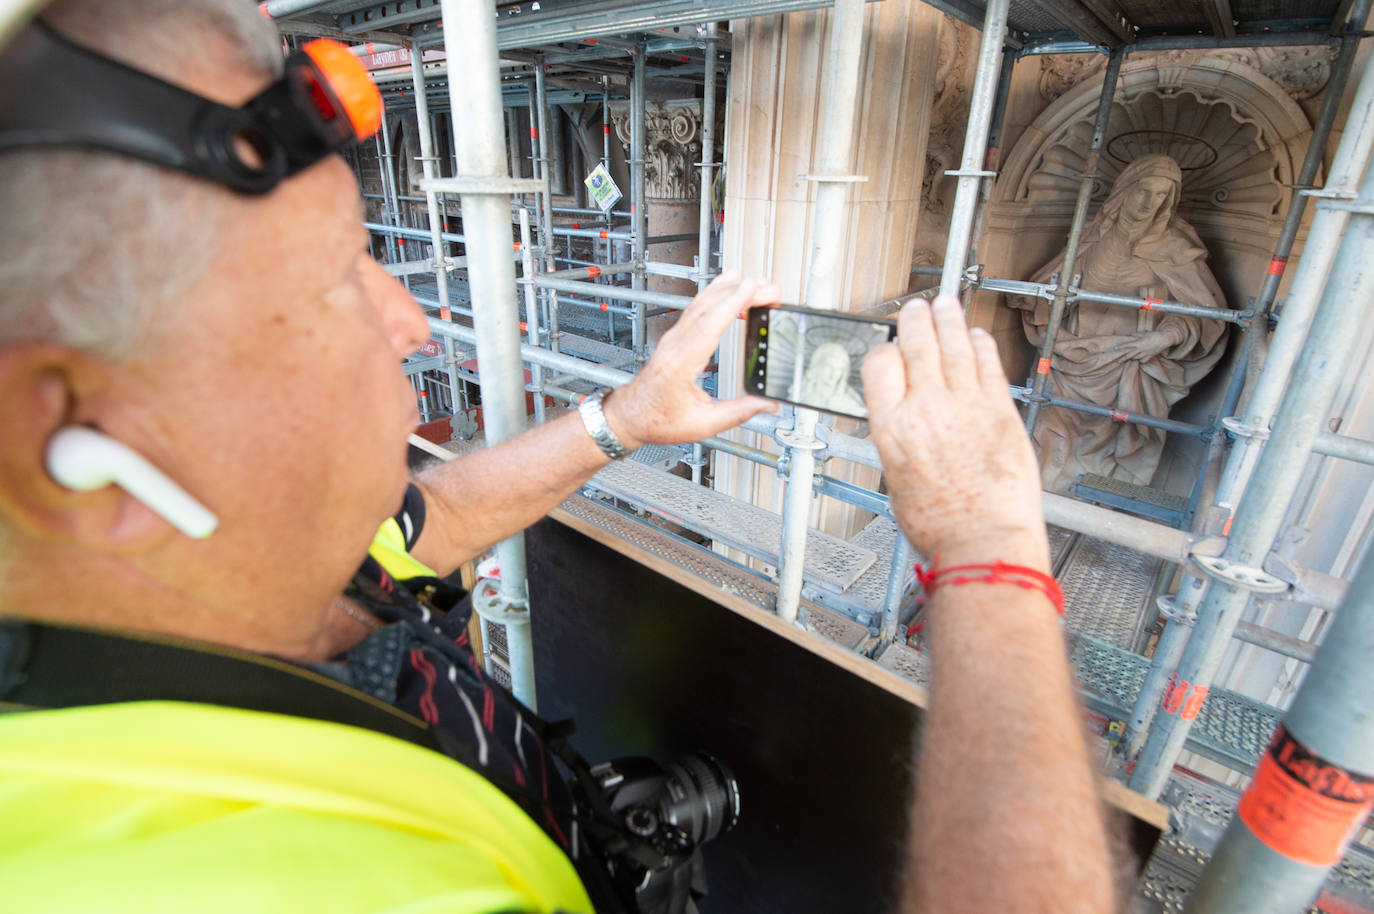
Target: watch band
{"x":594,"y":421}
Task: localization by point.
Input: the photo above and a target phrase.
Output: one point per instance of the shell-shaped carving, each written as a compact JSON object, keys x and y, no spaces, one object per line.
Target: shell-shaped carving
{"x":1226,"y":163}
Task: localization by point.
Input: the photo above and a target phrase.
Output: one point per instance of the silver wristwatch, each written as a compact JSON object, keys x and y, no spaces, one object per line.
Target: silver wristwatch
{"x":594,"y":420}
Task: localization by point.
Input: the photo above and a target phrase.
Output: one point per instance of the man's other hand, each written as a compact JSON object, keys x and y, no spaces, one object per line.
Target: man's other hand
{"x":960,"y":471}
{"x":663,"y":404}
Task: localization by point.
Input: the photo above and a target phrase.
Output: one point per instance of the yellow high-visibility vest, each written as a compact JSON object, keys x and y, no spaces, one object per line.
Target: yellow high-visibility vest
{"x":170,"y":806}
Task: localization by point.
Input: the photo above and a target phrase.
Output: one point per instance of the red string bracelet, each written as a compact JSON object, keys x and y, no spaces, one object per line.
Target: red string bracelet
{"x":996,"y":573}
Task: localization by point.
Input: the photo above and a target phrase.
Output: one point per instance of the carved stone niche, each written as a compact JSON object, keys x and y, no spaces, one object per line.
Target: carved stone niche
{"x":1239,"y":137}
{"x":673,"y":133}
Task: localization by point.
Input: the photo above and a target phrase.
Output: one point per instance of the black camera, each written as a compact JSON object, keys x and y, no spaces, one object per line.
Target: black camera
{"x":659,"y":816}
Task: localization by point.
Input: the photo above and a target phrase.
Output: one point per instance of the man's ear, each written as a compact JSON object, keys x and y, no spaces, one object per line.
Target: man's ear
{"x":44,"y":387}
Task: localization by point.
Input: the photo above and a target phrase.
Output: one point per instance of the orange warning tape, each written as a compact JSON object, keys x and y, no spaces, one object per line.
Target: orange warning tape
{"x":1276,"y":266}
{"x":1302,"y":806}
{"x":593,"y":272}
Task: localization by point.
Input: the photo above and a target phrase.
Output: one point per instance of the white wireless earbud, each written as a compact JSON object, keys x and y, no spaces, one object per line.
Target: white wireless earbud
{"x":84,"y":460}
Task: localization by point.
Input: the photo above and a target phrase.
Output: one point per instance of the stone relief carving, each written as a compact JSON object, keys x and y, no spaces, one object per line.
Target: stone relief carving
{"x":673,"y":132}
{"x":948,"y":115}
{"x":1061,"y":72}
{"x":1302,"y":72}
{"x":1123,"y":358}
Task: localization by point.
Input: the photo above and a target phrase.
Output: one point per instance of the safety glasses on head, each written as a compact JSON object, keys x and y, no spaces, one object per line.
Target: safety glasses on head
{"x":56,"y":93}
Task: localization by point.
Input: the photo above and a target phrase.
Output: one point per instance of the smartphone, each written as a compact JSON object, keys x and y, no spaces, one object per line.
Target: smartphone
{"x":811,"y":358}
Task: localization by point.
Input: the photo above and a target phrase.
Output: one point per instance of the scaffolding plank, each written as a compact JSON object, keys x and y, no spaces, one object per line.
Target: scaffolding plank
{"x":829,"y":561}
{"x":1231,"y":729}
{"x":598,"y":351}
{"x":864,"y":599}
{"x":1108,"y":591}
{"x":716,"y":570}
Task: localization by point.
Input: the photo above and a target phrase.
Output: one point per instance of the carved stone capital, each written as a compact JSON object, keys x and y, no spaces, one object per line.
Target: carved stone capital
{"x":672,"y":132}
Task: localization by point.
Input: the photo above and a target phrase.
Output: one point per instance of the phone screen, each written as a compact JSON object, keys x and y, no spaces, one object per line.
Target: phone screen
{"x":811,"y":358}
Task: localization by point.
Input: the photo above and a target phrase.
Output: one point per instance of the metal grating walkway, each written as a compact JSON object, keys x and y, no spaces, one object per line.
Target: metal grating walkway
{"x":863,"y":600}
{"x":597,"y":350}
{"x":1201,"y":810}
{"x":830,"y":562}
{"x":712,"y":568}
{"x":1108,"y":591}
{"x":1231,"y":729}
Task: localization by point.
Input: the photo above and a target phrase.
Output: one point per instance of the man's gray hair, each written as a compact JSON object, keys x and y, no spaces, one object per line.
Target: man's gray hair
{"x":93,"y":242}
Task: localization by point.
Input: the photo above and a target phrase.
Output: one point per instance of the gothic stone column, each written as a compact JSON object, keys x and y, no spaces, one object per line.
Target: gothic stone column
{"x":776,"y":100}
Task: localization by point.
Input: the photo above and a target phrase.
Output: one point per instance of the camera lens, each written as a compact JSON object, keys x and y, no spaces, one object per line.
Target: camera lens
{"x":700,"y":797}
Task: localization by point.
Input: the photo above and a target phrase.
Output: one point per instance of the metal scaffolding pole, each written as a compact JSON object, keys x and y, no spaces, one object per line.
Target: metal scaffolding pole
{"x":971,"y":171}
{"x":429,"y":164}
{"x":1314,"y":785}
{"x":1080,"y":217}
{"x":704,"y":213}
{"x":1323,"y":239}
{"x":1316,"y":376}
{"x":824,"y":279}
{"x":990,"y":161}
{"x":388,"y":218}
{"x":485,"y":186}
{"x":638,"y":216}
{"x":531,"y":314}
{"x":541,"y":101}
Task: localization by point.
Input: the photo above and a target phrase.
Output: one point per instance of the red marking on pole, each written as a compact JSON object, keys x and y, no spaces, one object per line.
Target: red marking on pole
{"x":517,"y":245}
{"x":590,"y":40}
{"x":401,"y":242}
{"x":605,"y":307}
{"x":524,"y":326}
{"x":1302,"y":806}
{"x":1120,"y":415}
{"x":445,"y":313}
{"x":1193,"y":704}
{"x":262,"y":8}
{"x":534,"y":133}
{"x":606,"y":129}
{"x":1149,"y":302}
{"x":603,"y":233}
{"x":424,"y":393}
{"x":446,"y":225}
{"x":633,"y":208}
{"x":1042,"y":366}
{"x":371,"y":48}
{"x":1277,"y":265}
{"x":684,"y":59}
{"x":593,"y":272}
{"x":1174,"y":692}
{"x":577,"y":225}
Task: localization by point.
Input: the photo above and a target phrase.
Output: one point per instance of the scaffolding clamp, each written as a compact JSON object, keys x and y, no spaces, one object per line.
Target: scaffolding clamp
{"x":1233,"y":574}
{"x":493,"y":606}
{"x":1168,"y":608}
{"x":1239,"y":428}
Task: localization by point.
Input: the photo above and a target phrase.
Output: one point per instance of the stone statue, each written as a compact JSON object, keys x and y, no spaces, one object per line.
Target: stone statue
{"x":825,"y":383}
{"x":1124,"y":358}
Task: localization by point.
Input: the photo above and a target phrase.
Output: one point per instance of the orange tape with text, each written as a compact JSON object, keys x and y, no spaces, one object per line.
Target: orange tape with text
{"x":1302,"y":806}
